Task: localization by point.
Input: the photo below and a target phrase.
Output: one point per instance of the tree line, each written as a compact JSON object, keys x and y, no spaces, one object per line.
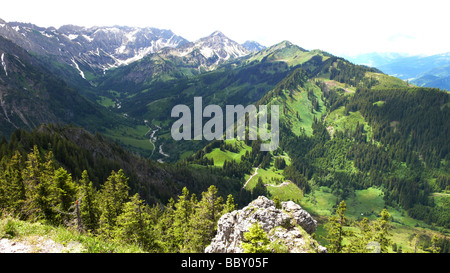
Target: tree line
{"x":366,"y":236}
{"x":37,"y":190}
{"x":77,"y":150}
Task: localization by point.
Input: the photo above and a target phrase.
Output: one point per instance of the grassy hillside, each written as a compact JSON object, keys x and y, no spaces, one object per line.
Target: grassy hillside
{"x":43,"y":238}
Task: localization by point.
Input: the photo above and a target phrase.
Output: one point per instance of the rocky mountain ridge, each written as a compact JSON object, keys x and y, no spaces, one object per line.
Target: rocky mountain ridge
{"x":171,"y":63}
{"x":207,"y":53}
{"x":291,"y":226}
{"x":94,"y":48}
{"x":97,"y":49}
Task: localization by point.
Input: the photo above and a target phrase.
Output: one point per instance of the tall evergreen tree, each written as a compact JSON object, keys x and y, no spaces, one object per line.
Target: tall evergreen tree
{"x":37,"y":177}
{"x":89,"y":209}
{"x":359,"y":242}
{"x":65,"y":189}
{"x":335,"y":229}
{"x":382,"y":231}
{"x":434,"y":248}
{"x":164,"y":229}
{"x":134,"y":224}
{"x":113,"y":196}
{"x":229,"y":205}
{"x":277,"y":202}
{"x":204,"y":220}
{"x":259,"y":189}
{"x":181,"y":219}
{"x":12,"y":188}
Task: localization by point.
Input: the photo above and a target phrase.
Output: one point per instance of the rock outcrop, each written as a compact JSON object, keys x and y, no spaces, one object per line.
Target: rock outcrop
{"x":290,"y":226}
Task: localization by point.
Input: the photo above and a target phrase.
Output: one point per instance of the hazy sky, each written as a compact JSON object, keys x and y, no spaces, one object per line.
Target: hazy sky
{"x":337,"y":26}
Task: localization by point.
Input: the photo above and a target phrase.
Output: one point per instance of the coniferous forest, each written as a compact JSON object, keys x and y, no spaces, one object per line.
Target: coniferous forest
{"x":34,"y":187}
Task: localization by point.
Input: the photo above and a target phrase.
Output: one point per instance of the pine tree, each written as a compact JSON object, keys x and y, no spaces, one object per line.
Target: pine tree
{"x":434,"y":248}
{"x":359,"y":243}
{"x":38,"y":181}
{"x":65,"y":189}
{"x":415,"y":242}
{"x":113,"y":196}
{"x":204,"y":220}
{"x":181,"y":219}
{"x":256,"y":240}
{"x":89,"y":205}
{"x":31,"y":177}
{"x":280,"y":163}
{"x":12,"y":188}
{"x":164,"y":238}
{"x":259,"y":189}
{"x":382,"y":231}
{"x":335,"y":229}
{"x":229,"y":205}
{"x":134,"y":224}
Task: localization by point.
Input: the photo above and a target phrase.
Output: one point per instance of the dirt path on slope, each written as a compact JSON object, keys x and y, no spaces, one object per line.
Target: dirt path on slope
{"x":285,"y":183}
{"x":37,"y":244}
{"x":250,"y":178}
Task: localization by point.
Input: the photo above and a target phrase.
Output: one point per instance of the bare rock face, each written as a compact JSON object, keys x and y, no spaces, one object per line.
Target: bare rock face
{"x":290,"y":226}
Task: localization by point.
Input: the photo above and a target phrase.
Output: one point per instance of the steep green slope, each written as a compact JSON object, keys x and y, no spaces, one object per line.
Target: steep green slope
{"x":286,"y":52}
{"x":300,"y":100}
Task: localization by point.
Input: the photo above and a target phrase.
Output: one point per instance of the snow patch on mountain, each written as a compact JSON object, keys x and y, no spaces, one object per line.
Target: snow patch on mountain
{"x":139,"y":54}
{"x":221,"y":46}
{"x":46,"y":34}
{"x":89,"y":39}
{"x":4,"y":63}
{"x":72,"y":36}
{"x":207,"y":52}
{"x":131,"y":36}
{"x":78,"y":68}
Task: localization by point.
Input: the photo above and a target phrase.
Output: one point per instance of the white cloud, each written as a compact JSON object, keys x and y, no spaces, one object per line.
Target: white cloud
{"x":340,"y":27}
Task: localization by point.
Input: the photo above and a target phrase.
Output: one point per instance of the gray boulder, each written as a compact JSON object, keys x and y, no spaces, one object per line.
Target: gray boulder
{"x":291,"y":227}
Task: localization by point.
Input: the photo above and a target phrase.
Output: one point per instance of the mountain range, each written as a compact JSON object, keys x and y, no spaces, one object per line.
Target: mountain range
{"x":88,"y":59}
{"x":429,"y":71}
{"x":95,"y":49}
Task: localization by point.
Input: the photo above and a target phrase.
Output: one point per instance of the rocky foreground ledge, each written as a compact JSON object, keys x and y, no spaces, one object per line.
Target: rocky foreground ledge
{"x":291,"y":226}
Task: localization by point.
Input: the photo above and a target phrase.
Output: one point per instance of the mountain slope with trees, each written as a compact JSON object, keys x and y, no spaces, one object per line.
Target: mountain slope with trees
{"x":347,"y":132}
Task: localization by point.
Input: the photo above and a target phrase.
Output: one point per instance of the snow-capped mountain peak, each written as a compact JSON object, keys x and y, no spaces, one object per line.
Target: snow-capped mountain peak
{"x":207,"y":53}
{"x":95,"y":48}
{"x":217,"y":45}
{"x":217,"y":33}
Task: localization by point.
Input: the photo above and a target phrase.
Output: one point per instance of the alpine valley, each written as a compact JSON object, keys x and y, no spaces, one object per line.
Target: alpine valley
{"x":86,"y":145}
